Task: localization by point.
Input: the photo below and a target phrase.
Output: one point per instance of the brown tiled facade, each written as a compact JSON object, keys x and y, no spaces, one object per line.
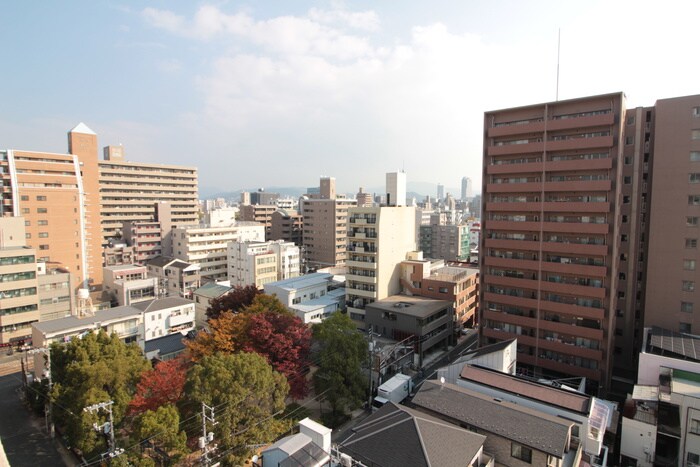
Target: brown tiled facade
{"x":550,"y":242}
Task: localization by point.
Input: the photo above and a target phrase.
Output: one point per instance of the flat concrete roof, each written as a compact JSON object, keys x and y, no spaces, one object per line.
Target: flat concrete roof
{"x":409,"y":305}
{"x":300,"y":282}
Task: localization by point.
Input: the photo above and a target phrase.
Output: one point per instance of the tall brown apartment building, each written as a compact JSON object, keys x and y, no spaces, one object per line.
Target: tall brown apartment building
{"x":551,"y":234}
{"x":673,"y":274}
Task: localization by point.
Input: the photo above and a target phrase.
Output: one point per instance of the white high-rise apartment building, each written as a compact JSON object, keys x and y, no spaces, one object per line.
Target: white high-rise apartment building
{"x":207,"y":246}
{"x":379,"y":238}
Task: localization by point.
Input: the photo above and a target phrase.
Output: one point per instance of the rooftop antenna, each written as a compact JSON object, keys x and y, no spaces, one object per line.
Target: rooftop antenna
{"x":558,"y":52}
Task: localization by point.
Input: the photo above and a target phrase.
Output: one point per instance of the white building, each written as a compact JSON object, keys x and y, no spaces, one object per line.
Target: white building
{"x":379,"y":238}
{"x":312,"y":297}
{"x":661,"y":418}
{"x":175,"y":277}
{"x":396,"y":188}
{"x":203,"y":297}
{"x":129,"y":284}
{"x":207,"y":246}
{"x":260,"y":263}
{"x":221,"y":217}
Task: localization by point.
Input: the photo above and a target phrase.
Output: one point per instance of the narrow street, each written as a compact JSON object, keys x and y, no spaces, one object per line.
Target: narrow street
{"x":23,"y":434}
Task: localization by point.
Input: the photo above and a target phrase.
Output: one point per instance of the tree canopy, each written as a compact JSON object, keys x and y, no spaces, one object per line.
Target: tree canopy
{"x":161,"y":385}
{"x":246,"y":394}
{"x":234,"y":301}
{"x":342,"y":352}
{"x":94,"y":369}
{"x":159,"y":429}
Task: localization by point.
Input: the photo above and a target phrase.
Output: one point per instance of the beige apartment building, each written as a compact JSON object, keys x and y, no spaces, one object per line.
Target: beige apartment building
{"x":72,"y":203}
{"x":379,"y":239}
{"x":261,"y":213}
{"x":19,"y":301}
{"x":325,"y":226}
{"x":207,"y":246}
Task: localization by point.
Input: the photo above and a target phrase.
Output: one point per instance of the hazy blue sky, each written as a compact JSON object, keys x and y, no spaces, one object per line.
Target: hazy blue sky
{"x":265,"y":93}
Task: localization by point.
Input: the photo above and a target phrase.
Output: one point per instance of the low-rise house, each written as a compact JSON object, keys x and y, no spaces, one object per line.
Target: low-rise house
{"x":312,"y":297}
{"x":311,"y":447}
{"x":175,"y":277}
{"x":515,"y":435}
{"x":430,"y":322}
{"x":397,"y":436}
{"x":203,"y":297}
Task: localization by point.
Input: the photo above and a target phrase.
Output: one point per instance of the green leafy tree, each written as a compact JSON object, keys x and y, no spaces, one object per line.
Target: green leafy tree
{"x":160,"y":430}
{"x":96,"y":368}
{"x":342,"y":352}
{"x":246,"y":394}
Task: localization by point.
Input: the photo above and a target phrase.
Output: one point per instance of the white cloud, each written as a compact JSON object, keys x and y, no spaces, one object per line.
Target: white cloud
{"x":368,"y":20}
{"x":164,"y":19}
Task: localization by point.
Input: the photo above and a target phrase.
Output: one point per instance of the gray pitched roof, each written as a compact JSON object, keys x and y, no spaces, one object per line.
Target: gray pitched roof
{"x":160,"y":261}
{"x":73,"y":322}
{"x":212,"y":290}
{"x":169,"y":344}
{"x":528,"y":427}
{"x":416,"y":439}
{"x":161,"y":303}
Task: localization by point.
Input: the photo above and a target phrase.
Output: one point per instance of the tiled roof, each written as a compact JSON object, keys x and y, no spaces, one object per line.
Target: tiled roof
{"x":161,"y":304}
{"x":414,"y":438}
{"x":528,"y":427}
{"x":166,"y":345}
{"x":160,"y":261}
{"x":73,"y":322}
{"x":212,"y":290}
{"x":541,"y":392}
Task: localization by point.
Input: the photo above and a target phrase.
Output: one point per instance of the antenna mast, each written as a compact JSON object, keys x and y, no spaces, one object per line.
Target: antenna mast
{"x":558,"y":52}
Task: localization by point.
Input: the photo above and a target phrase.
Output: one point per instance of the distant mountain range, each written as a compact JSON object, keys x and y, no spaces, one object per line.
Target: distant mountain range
{"x":418,"y":190}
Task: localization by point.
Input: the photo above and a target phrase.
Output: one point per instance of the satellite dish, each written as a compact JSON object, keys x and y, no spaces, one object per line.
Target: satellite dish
{"x":442,"y":380}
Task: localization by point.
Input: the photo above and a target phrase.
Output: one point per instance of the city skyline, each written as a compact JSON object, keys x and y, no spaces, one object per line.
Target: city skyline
{"x":248,"y":93}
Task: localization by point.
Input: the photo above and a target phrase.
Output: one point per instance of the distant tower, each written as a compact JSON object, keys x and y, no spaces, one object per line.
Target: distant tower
{"x":396,"y":189}
{"x":327,"y":188}
{"x":363,"y":198}
{"x":440,"y":192}
{"x":84,"y":306}
{"x":466,"y":188}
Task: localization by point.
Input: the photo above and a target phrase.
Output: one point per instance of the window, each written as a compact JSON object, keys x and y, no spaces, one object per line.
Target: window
{"x":693,"y":200}
{"x":693,"y":459}
{"x":41,"y":210}
{"x":626,"y":199}
{"x":689,"y":264}
{"x":696,"y":111}
{"x":43,"y":247}
{"x":627,"y":180}
{"x":43,"y":222}
{"x":686,"y":307}
{"x":628,"y":160}
{"x":694,"y":156}
{"x":442,"y":289}
{"x":27,"y":235}
{"x":688,"y":286}
{"x":629,"y":140}
{"x":691,"y":242}
{"x":695,"y":427}
{"x":695,"y":134}
{"x":25,"y":210}
{"x":630,"y":120}
{"x":684,"y":327}
{"x":43,"y":235}
{"x":41,"y":198}
{"x":694,"y":177}
{"x":691,"y":221}
{"x":25,"y":198}
{"x":521,"y":452}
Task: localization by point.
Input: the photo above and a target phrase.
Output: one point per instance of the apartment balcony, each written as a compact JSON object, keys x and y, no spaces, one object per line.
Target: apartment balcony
{"x":363,"y":279}
{"x":571,"y":289}
{"x":501,"y":334}
{"x":535,"y":125}
{"x":534,"y":265}
{"x":560,"y":346}
{"x":599,"y":120}
{"x":526,"y":187}
{"x":9,"y":337}
{"x":7,"y":303}
{"x":572,"y":310}
{"x":561,"y":367}
{"x":507,"y":149}
{"x":579,"y":164}
{"x":508,"y":318}
{"x":524,"y":167}
{"x":359,"y":292}
{"x":17,"y":318}
{"x":555,"y":247}
{"x":580,"y":143}
{"x":570,"y":328}
{"x":361,"y":264}
{"x":179,"y":319}
{"x":585,"y":186}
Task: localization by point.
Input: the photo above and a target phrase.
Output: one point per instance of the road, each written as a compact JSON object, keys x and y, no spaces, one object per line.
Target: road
{"x":22,"y":433}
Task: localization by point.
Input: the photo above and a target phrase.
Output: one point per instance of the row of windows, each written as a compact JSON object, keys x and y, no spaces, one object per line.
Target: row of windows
{"x":17,"y":260}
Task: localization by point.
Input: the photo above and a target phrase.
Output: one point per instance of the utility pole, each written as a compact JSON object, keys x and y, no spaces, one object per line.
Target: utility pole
{"x":206,"y":438}
{"x":47,"y":373}
{"x":107,"y":427}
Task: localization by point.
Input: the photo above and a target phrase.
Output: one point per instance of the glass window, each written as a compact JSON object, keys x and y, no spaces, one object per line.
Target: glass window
{"x":684,"y":327}
{"x":693,"y":459}
{"x":694,"y":178}
{"x":686,"y":307}
{"x":695,"y":426}
{"x":521,"y":452}
{"x":689,"y":264}
{"x":695,"y":134}
{"x":691,"y":221}
{"x":693,"y":200}
{"x":691,"y":242}
{"x":694,"y":156}
{"x":688,"y":286}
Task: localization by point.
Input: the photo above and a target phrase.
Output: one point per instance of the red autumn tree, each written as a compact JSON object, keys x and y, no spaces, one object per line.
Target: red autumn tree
{"x":162,"y":385}
{"x":284,"y":341}
{"x":234,"y":301}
